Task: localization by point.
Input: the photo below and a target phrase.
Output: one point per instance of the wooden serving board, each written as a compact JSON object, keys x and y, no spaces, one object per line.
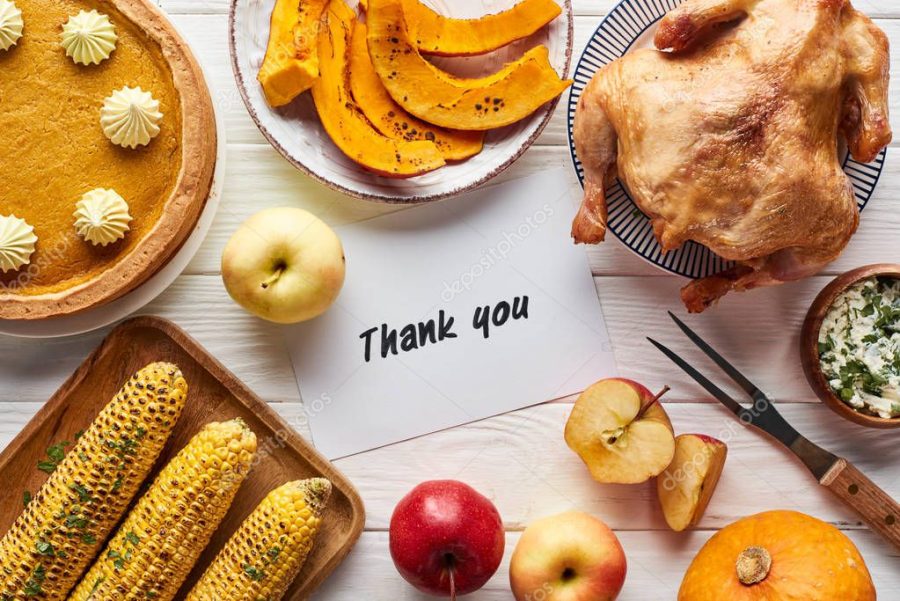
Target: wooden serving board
{"x":214,"y":394}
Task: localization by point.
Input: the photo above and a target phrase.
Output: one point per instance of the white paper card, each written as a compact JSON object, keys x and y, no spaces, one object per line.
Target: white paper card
{"x":453,"y":312}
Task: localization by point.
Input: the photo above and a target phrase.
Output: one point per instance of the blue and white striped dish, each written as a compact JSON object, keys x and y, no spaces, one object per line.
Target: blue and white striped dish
{"x":633,"y":22}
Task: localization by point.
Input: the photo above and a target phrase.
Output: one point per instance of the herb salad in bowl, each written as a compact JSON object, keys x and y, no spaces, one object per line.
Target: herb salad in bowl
{"x":851,"y":345}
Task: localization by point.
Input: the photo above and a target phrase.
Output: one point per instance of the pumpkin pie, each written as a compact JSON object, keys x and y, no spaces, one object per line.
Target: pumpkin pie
{"x":54,"y":151}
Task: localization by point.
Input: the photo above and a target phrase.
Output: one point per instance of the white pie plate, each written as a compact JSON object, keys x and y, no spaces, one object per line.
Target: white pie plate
{"x":106,"y":314}
{"x":296,"y":133}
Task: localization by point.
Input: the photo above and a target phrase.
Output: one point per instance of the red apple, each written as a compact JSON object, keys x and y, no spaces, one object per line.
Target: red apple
{"x":446,"y":539}
{"x":568,"y":557}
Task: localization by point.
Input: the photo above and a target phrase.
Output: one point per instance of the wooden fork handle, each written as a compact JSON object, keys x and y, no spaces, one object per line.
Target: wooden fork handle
{"x":877,"y":509}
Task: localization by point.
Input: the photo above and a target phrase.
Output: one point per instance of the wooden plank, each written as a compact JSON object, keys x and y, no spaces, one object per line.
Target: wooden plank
{"x":521,"y":461}
{"x":251,"y":348}
{"x":756,"y":330}
{"x":258,"y":178}
{"x":656,"y":565}
{"x":207,"y":34}
{"x":873,"y":8}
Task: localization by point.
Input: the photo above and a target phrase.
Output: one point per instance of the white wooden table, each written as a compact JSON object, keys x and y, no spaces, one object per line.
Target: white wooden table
{"x":520,"y":460}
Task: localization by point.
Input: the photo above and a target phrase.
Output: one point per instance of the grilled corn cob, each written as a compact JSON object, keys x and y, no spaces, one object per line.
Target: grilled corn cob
{"x":264,"y":556}
{"x":159,"y":542}
{"x":61,"y":530}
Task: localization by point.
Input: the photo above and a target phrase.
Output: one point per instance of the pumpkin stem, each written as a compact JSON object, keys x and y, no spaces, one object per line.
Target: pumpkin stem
{"x":753,"y":565}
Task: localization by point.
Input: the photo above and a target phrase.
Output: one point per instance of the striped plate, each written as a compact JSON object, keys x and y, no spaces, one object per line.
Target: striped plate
{"x":632,"y":23}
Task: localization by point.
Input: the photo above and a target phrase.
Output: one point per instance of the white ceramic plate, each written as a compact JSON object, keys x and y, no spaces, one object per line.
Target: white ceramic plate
{"x":296,"y":133}
{"x":632,"y":24}
{"x":109,"y":313}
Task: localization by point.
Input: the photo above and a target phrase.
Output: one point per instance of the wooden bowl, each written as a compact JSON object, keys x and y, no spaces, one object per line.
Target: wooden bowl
{"x":809,"y":344}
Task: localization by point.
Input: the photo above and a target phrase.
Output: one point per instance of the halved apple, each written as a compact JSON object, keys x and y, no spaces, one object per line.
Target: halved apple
{"x":390,"y":119}
{"x":687,"y":485}
{"x":343,"y":119}
{"x":621,"y":432}
{"x":435,"y":96}
{"x":444,"y":36}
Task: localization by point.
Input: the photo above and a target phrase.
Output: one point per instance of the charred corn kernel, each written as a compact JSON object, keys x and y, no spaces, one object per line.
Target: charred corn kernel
{"x":63,"y":527}
{"x":159,"y":542}
{"x":267,"y":552}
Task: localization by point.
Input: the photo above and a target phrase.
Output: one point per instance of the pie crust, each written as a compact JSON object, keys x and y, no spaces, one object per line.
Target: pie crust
{"x":179,"y":212}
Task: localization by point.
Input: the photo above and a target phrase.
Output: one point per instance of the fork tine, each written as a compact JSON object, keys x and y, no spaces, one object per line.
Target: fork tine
{"x":710,"y":387}
{"x":732,"y":372}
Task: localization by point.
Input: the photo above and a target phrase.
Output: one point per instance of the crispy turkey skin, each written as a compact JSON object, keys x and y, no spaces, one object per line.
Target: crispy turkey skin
{"x":727,"y":134}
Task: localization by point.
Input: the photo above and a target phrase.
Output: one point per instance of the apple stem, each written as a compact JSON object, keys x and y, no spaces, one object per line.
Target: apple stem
{"x":452,"y":586}
{"x":273,"y":278}
{"x":655,"y":400}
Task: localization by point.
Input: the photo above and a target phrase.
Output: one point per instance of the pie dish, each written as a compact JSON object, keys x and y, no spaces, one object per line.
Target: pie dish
{"x":53,"y":151}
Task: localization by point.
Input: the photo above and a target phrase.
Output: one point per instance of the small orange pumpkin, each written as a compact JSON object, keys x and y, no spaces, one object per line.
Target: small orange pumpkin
{"x":778,"y":556}
{"x":343,"y":119}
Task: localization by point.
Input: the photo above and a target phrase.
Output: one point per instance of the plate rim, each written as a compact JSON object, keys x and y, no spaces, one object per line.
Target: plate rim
{"x":876,"y":166}
{"x":549,"y":109}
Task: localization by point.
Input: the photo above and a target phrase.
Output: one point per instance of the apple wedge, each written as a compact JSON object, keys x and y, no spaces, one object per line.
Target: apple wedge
{"x":687,"y":485}
{"x":621,"y":432}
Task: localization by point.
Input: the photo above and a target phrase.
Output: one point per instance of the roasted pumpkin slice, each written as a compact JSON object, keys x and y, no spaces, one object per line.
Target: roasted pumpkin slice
{"x":343,"y":119}
{"x":390,"y":119}
{"x":438,"y":97}
{"x":444,"y":36}
{"x":291,"y":63}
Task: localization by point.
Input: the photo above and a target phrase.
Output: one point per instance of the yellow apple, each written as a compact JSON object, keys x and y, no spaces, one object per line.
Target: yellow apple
{"x":621,"y":432}
{"x":284,"y":265}
{"x":686,"y":486}
{"x":568,"y":557}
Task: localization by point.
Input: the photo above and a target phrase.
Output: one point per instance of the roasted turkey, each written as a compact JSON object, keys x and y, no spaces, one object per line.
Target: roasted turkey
{"x":728,"y":134}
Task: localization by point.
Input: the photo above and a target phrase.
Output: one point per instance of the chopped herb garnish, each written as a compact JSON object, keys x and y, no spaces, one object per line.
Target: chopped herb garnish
{"x":44,"y":548}
{"x":47,"y":466}
{"x":33,"y":586}
{"x":255,"y":574}
{"x":26,"y":498}
{"x":83,"y":495}
{"x":132,"y":538}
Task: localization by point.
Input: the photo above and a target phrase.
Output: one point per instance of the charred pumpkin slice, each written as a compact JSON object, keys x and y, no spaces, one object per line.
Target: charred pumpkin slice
{"x":444,"y":36}
{"x":291,"y":63}
{"x":390,"y":119}
{"x":343,"y":119}
{"x":435,"y":96}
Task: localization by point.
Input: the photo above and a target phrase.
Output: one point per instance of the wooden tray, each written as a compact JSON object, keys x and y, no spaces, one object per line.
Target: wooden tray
{"x":214,"y":394}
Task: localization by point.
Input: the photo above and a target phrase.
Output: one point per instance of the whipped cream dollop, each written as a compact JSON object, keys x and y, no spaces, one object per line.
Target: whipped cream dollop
{"x":130,"y":117}
{"x":11,"y":24}
{"x":89,"y":38}
{"x":16,"y":243}
{"x":101,"y":217}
